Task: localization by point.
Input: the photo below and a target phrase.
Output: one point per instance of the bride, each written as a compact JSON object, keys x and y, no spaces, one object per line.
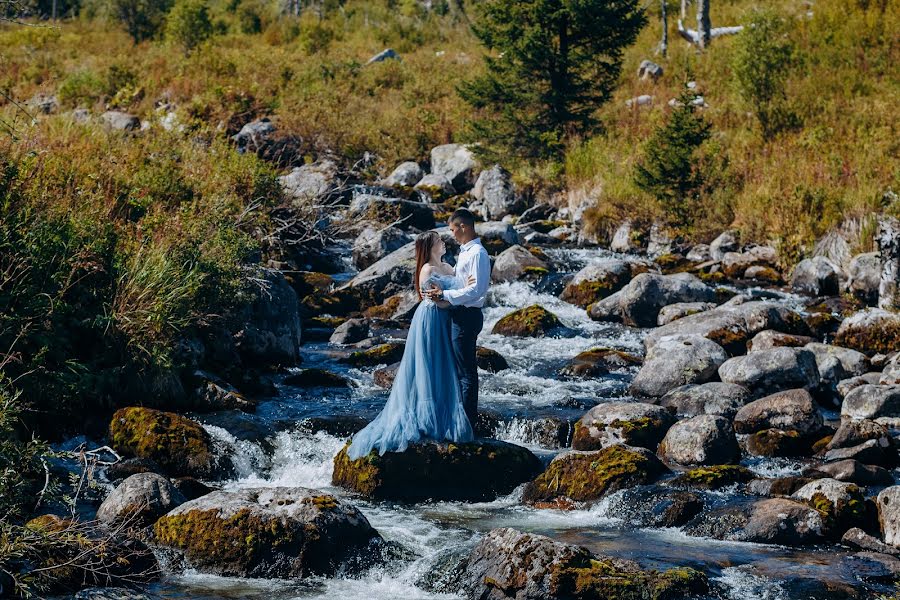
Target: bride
{"x":425,"y":401}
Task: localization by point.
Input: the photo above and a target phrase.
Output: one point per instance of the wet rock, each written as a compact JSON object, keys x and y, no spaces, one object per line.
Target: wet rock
{"x":864,"y":277}
{"x":177,"y":444}
{"x":888,"y":503}
{"x":384,"y":377}
{"x":129,"y":466}
{"x":384,"y":354}
{"x":267,"y":532}
{"x":681,"y":309}
{"x":656,"y":506}
{"x":675,"y":361}
{"x":713,"y":398}
{"x":394,"y":212}
{"x":490,"y":360}
{"x":374,"y":243}
{"x":639,"y":302}
{"x":271,"y":323}
{"x":790,"y":410}
{"x":768,"y":339}
{"x":313,"y":378}
{"x":735,"y":264}
{"x":712,"y":477}
{"x":532,"y":321}
{"x":817,"y":276}
{"x":510,"y":564}
{"x":472,"y":471}
{"x":455,"y":162}
{"x":215,"y":394}
{"x":853,"y":432}
{"x":872,"y":402}
{"x":857,"y":538}
{"x":139,"y":501}
{"x":845,"y":386}
{"x":873,"y":452}
{"x":191,"y":488}
{"x":700,"y":440}
{"x":546,"y":432}
{"x":517,"y":262}
{"x":434,"y":188}
{"x":870,"y":331}
{"x":496,"y":195}
{"x":406,"y":174}
{"x":120,"y":121}
{"x":776,"y":442}
{"x":781,"y":486}
{"x":596,"y":281}
{"x":768,"y":371}
{"x":588,"y":476}
{"x":853,"y":471}
{"x":350,"y":331}
{"x":841,"y":503}
{"x":771,"y":521}
{"x":597,"y":362}
{"x":630,"y":423}
{"x":317,"y":181}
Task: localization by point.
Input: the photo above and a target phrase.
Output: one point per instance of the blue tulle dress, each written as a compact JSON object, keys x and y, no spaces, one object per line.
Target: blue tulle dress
{"x":425,"y":401}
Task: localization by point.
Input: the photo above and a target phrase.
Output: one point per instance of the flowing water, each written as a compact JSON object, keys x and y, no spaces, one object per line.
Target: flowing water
{"x":281,"y":446}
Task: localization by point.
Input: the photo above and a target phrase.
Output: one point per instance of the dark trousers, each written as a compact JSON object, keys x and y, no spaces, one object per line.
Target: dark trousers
{"x":466,"y":324}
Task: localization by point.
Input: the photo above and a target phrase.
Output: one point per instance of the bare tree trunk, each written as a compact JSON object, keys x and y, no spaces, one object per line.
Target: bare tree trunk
{"x":888,"y":240}
{"x":54,"y":10}
{"x":703,"y":24}
{"x":684,"y":5}
{"x":664,"y":42}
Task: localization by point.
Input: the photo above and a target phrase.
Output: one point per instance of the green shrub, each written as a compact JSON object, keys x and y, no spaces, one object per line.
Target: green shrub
{"x":188,"y":24}
{"x":81,"y":88}
{"x":249,"y":20}
{"x":142,"y":19}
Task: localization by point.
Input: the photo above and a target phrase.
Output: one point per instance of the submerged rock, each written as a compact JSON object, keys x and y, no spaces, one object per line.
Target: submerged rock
{"x":267,"y":532}
{"x":656,"y":506}
{"x":472,"y":471}
{"x":310,"y":378}
{"x":771,"y":521}
{"x":630,"y":423}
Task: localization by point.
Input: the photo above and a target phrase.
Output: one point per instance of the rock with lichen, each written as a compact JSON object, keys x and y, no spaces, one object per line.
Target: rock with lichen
{"x":139,"y":501}
{"x":630,"y":423}
{"x":597,"y":280}
{"x":768,"y":371}
{"x":599,"y":361}
{"x":870,"y":331}
{"x":700,"y":440}
{"x":712,"y":477}
{"x":711,"y":398}
{"x":788,"y":410}
{"x":267,"y":532}
{"x":675,"y":361}
{"x":639,"y":302}
{"x":383,"y":354}
{"x":515,"y":263}
{"x":531,"y":321}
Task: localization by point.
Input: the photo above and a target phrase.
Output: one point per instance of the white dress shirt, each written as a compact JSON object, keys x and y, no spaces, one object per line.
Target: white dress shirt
{"x":473,"y":260}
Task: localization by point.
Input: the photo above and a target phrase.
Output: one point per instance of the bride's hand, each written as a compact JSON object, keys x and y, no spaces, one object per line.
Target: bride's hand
{"x":471,"y":280}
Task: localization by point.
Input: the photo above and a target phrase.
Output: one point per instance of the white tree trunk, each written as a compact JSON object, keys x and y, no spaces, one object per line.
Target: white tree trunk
{"x":888,"y":240}
{"x":703,"y":24}
{"x":664,"y":17}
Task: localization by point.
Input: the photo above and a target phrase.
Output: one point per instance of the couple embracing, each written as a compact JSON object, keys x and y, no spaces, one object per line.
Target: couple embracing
{"x":435,"y":391}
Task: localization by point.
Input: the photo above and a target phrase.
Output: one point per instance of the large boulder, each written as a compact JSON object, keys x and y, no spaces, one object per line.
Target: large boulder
{"x":406,"y":174}
{"x":472,"y":471}
{"x":864,"y":277}
{"x":678,"y":310}
{"x":139,"y":501}
{"x":271,"y":331}
{"x":772,"y":370}
{"x":394,"y":212}
{"x":872,"y":402}
{"x":700,"y":440}
{"x":597,"y":362}
{"x":675,"y":361}
{"x":713,"y":398}
{"x":374,"y":243}
{"x":817,"y":276}
{"x":588,"y":476}
{"x":509,"y":564}
{"x":434,"y":188}
{"x":842,"y":503}
{"x":888,"y":503}
{"x":596,"y":281}
{"x":531,"y":321}
{"x":455,"y":162}
{"x":771,"y":521}
{"x":177,"y":444}
{"x":516,"y":262}
{"x":836,"y":364}
{"x":870,"y":331}
{"x":630,"y":423}
{"x":267,"y":532}
{"x":316,"y":181}
{"x":791,"y":410}
{"x":496,"y":195}
{"x":639,"y":302}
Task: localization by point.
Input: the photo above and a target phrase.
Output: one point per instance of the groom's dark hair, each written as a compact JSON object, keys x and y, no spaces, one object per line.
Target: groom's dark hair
{"x":461,"y":215}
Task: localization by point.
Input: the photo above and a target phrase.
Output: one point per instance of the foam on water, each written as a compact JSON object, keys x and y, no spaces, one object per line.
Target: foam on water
{"x":775,"y":467}
{"x":741,"y":583}
{"x":247,"y":457}
{"x":299,"y":459}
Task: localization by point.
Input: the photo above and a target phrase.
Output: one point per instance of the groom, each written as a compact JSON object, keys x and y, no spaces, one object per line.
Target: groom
{"x":465,"y":316}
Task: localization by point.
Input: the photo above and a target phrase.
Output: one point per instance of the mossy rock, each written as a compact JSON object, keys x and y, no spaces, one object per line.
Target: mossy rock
{"x":673,"y":263}
{"x":776,"y":442}
{"x":267,"y":532}
{"x":713,"y":277}
{"x":310,"y":378}
{"x":472,"y":471}
{"x":547,"y":225}
{"x":384,"y":354}
{"x":589,"y":476}
{"x":490,"y":360}
{"x":765,"y":274}
{"x":537,"y":252}
{"x":733,"y":339}
{"x":602,"y":579}
{"x":308,"y":282}
{"x":713,"y":477}
{"x":384,"y":310}
{"x":532,"y":321}
{"x":871,"y":332}
{"x":587,"y":292}
{"x":599,"y":361}
{"x":336,"y":303}
{"x":177,"y":444}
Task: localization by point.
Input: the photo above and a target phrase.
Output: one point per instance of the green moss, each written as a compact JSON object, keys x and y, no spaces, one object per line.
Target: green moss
{"x":547,"y":225}
{"x":538,"y":253}
{"x":598,"y":361}
{"x":592,"y":579}
{"x":878,"y":338}
{"x":327,"y":322}
{"x":337,"y":303}
{"x":587,"y":292}
{"x":536,"y":271}
{"x":175,"y":443}
{"x":385,"y":310}
{"x":733,"y":340}
{"x":776,"y":442}
{"x":714,"y":477}
{"x":673,"y":263}
{"x":385,"y":354}
{"x":532,"y":321}
{"x":714,"y":277}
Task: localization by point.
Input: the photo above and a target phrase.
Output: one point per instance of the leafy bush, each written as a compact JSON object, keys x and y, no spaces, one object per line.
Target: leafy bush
{"x":188,"y":24}
{"x":81,"y":88}
{"x":142,"y":19}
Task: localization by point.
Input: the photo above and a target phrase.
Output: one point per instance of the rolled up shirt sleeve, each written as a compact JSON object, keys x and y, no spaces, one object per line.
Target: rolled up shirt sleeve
{"x":473,"y":293}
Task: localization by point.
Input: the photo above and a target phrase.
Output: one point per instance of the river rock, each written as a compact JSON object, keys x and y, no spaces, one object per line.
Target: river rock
{"x":768,"y":339}
{"x":516,"y":262}
{"x":510,"y":564}
{"x":384,"y":377}
{"x":726,"y":242}
{"x":776,"y":442}
{"x":350,"y":331}
{"x":374,"y":243}
{"x":771,"y":521}
{"x":630,"y":423}
{"x":699,"y":253}
{"x":681,"y":309}
{"x":455,"y":162}
{"x":599,"y":361}
{"x":713,"y":398}
{"x":625,"y":239}
{"x":121,"y":121}
{"x":787,"y":410}
{"x":841,"y":502}
{"x":596,"y":281}
{"x":472,"y":471}
{"x":675,"y":361}
{"x":882,"y":452}
{"x":700,"y":440}
{"x":872,"y":402}
{"x":656,"y":506}
{"x":406,"y":174}
{"x":870,"y":331}
{"x":213,"y":394}
{"x":845,"y":386}
{"x":735,"y":264}
{"x":496,"y":195}
{"x":532,"y":321}
{"x":817,"y":276}
{"x":434,"y":188}
{"x":139,"y":501}
{"x":495,"y":236}
{"x":271,"y":332}
{"x":856,"y":537}
{"x":394,"y":212}
{"x":490,"y":360}
{"x":768,"y":371}
{"x":835,"y":364}
{"x":588,"y":476}
{"x":864,"y":277}
{"x":712,"y":477}
{"x":177,"y":444}
{"x":853,"y":432}
{"x":314,"y":182}
{"x":888,"y":503}
{"x":639,"y":302}
{"x":890,"y":375}
{"x":267,"y":532}
{"x":853,"y":471}
{"x":383,"y":354}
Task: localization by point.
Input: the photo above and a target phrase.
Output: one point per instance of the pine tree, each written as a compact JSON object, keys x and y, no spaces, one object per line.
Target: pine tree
{"x":670,"y":168}
{"x":555,"y":63}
